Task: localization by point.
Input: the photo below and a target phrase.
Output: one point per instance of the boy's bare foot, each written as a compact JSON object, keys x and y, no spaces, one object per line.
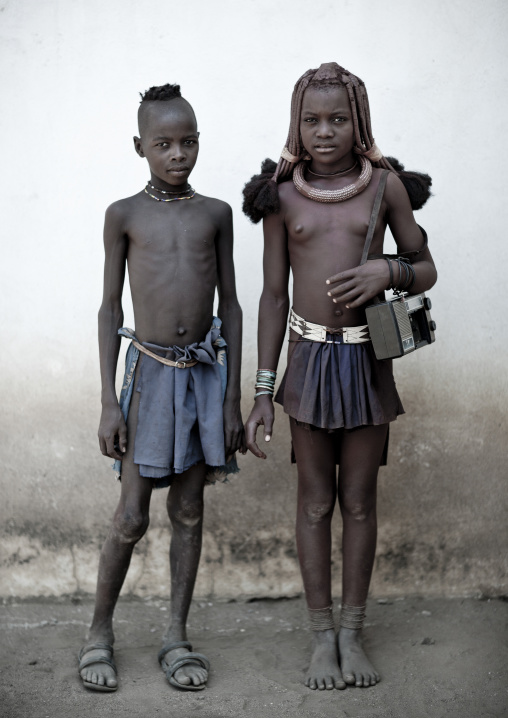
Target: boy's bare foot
{"x":97,"y":667}
{"x":324,"y":672}
{"x":184,"y":668}
{"x":356,"y":668}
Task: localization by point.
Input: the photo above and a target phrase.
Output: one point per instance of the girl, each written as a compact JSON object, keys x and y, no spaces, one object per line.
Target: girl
{"x":316,"y":204}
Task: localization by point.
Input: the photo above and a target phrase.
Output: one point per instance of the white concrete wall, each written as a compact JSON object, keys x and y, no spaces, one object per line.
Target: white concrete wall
{"x":71,"y":72}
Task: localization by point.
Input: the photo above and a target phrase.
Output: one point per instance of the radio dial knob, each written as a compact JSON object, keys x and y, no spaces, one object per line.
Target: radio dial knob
{"x":432,"y":325}
{"x":427,"y":304}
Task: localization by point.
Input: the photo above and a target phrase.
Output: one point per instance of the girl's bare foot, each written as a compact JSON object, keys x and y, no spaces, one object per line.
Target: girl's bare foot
{"x":324,"y":672}
{"x":356,"y":668}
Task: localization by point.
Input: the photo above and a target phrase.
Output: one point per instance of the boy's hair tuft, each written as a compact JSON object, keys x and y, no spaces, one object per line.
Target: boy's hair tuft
{"x":161,"y":92}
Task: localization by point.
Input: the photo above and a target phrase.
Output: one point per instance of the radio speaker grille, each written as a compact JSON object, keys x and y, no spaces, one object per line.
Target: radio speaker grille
{"x":402,"y":320}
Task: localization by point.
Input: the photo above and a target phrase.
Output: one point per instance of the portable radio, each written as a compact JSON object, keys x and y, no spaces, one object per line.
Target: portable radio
{"x":400,"y":325}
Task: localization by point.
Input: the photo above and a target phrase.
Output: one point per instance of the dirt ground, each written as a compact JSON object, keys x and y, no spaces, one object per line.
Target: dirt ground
{"x":437,"y":658}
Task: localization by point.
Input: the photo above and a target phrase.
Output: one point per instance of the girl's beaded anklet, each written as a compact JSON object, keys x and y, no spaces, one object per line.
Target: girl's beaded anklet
{"x":352,"y":616}
{"x":321,"y":619}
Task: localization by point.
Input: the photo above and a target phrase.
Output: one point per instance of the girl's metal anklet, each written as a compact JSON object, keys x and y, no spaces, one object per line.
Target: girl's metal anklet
{"x":352,"y":616}
{"x":321,"y":619}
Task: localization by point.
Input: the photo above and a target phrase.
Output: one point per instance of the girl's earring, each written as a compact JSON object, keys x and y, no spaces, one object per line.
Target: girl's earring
{"x":306,"y":156}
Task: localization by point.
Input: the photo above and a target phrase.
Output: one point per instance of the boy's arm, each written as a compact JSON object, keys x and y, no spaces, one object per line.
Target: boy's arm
{"x":272,"y":321}
{"x":112,"y":428}
{"x":358,"y":285}
{"x":230,"y":312}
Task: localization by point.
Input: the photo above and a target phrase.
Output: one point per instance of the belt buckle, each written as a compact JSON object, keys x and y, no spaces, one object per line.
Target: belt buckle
{"x":180,"y":365}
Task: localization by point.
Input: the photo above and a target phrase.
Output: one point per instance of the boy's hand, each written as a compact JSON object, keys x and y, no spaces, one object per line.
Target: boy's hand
{"x":261,"y":414}
{"x":356,"y":286}
{"x":234,"y":436}
{"x":113,"y":433}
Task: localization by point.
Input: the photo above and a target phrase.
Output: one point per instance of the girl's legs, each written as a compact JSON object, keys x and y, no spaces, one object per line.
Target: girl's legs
{"x":361,"y":452}
{"x":315,"y":458}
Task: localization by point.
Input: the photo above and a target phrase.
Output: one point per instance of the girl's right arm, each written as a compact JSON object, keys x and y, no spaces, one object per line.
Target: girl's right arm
{"x":112,"y":429}
{"x":272,"y":321}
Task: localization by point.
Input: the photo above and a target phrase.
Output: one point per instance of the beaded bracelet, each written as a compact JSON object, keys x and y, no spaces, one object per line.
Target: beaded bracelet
{"x":390,"y":268}
{"x":407,"y":276}
{"x":265,"y":382}
{"x":413,"y":278}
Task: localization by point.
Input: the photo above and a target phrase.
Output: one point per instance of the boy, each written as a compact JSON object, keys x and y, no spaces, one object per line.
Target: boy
{"x":177,"y":417}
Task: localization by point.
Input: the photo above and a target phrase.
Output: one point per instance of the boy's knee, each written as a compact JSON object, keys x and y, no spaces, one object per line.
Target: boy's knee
{"x":188,"y":513}
{"x":318,"y":511}
{"x":130,"y":526}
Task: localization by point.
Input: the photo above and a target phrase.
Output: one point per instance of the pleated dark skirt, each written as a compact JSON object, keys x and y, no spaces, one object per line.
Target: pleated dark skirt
{"x":338,"y":386}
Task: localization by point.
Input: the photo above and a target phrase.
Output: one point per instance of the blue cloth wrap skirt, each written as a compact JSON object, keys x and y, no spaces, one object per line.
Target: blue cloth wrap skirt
{"x":180,"y":416}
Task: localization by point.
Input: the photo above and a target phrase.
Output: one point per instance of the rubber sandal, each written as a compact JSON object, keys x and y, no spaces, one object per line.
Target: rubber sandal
{"x":188,"y":659}
{"x":84,"y":662}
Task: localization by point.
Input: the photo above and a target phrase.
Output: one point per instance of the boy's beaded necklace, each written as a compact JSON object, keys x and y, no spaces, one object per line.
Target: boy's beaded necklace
{"x":184,"y":194}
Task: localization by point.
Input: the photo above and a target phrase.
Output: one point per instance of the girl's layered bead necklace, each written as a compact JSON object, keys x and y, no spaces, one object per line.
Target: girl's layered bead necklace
{"x":185,"y":194}
{"x":333,"y":195}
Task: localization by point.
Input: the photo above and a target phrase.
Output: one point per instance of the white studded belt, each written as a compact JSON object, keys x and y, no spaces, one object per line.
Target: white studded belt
{"x":318,"y":332}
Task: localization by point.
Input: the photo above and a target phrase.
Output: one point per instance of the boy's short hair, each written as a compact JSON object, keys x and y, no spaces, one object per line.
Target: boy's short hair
{"x":158,"y":93}
{"x":161,"y":92}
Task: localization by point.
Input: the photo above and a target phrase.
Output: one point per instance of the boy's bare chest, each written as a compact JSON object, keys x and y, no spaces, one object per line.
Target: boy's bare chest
{"x":171,"y":235}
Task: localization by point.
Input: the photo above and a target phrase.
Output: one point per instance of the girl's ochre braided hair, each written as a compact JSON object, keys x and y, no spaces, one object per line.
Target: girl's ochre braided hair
{"x":261,"y":196}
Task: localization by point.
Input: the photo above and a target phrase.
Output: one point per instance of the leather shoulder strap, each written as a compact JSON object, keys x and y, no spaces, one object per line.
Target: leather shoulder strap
{"x":374,"y":215}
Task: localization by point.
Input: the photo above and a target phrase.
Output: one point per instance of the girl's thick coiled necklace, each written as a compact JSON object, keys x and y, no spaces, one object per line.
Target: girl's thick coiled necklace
{"x":333,"y":195}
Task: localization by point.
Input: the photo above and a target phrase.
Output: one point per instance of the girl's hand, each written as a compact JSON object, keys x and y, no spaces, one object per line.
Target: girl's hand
{"x":356,"y":286}
{"x":261,"y":414}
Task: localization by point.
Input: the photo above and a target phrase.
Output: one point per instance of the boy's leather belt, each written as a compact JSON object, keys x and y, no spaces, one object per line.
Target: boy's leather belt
{"x":318,"y":332}
{"x":181,"y":364}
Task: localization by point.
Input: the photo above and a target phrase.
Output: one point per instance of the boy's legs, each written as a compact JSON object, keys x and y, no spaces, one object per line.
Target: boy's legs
{"x":185,"y":510}
{"x":361,"y":452}
{"x":130,"y":523}
{"x":315,"y":457}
